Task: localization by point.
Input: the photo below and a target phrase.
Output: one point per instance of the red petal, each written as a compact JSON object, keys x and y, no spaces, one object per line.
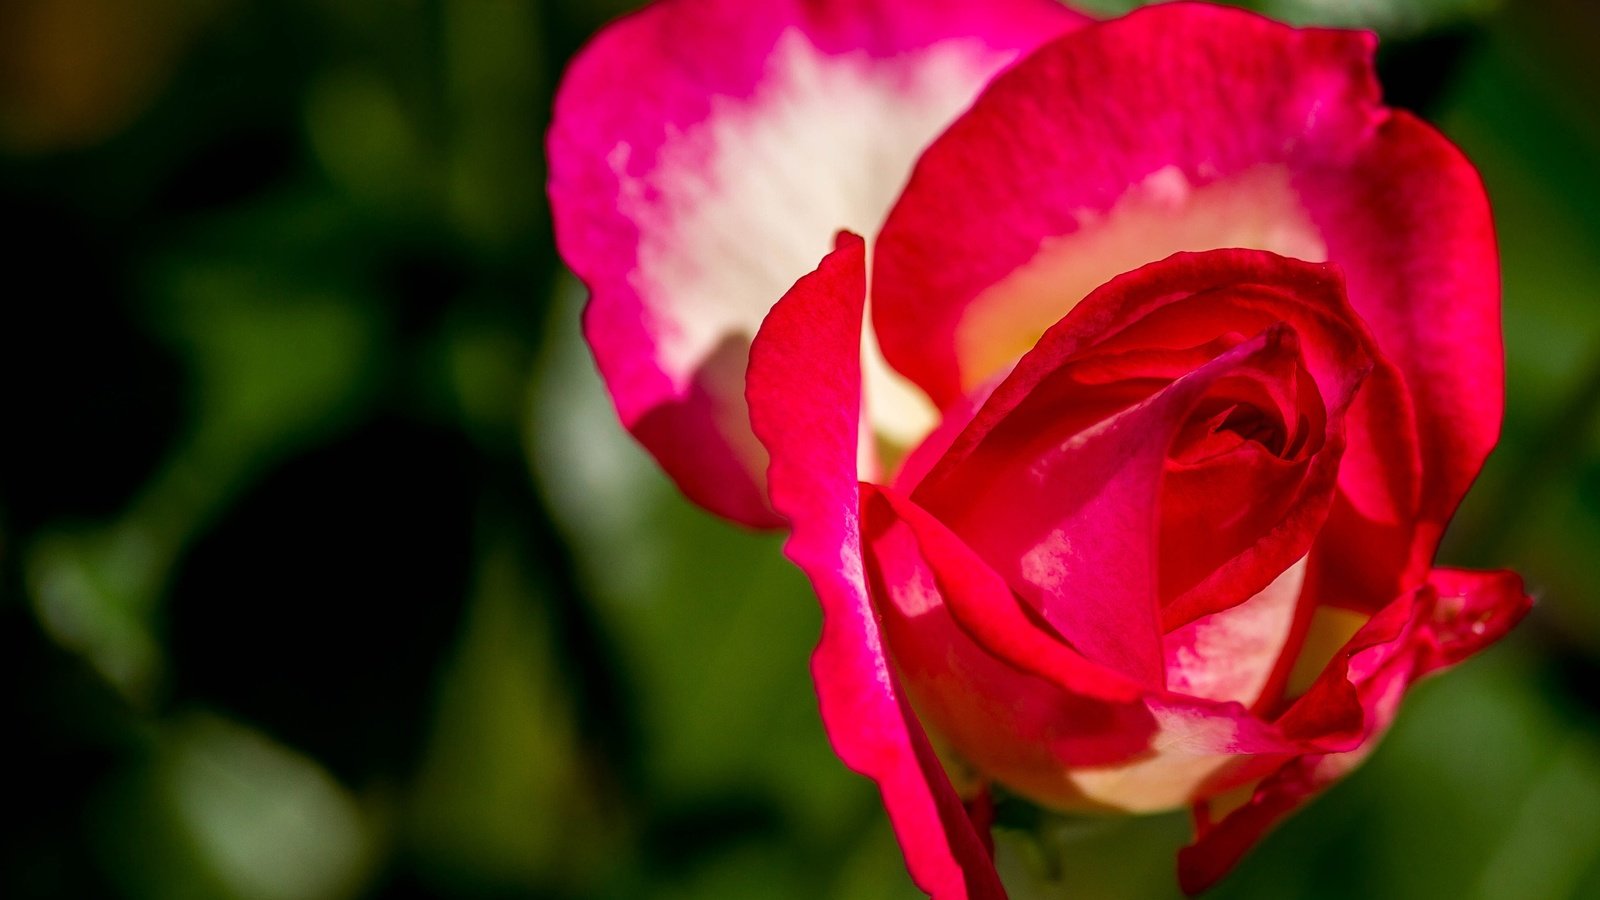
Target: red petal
{"x":1454,"y":616}
{"x":1409,"y":223}
{"x":805,"y":396}
{"x":1177,"y":127}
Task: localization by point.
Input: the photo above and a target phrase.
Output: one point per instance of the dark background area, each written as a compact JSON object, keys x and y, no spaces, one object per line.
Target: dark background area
{"x":326,"y":572}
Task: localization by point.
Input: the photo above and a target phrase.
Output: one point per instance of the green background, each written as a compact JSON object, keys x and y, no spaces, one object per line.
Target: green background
{"x":326,"y":572}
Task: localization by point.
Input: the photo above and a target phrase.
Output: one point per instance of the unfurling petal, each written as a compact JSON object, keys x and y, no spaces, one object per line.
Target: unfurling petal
{"x":804,"y":392}
{"x":1453,"y":616}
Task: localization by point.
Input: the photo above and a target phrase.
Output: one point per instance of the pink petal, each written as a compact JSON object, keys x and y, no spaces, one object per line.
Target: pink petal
{"x":805,"y":396}
{"x":1408,"y":222}
{"x":704,"y":153}
{"x":1230,"y":655}
{"x":1454,"y":616}
{"x":1177,"y":127}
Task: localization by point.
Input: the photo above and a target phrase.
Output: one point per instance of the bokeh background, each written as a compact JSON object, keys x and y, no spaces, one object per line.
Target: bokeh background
{"x":325,"y":571}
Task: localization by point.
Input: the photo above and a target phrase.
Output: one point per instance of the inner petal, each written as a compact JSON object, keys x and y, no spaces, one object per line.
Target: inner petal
{"x":1230,"y":655}
{"x":1235,"y":473}
{"x":1222,"y":427}
{"x":1164,"y":214}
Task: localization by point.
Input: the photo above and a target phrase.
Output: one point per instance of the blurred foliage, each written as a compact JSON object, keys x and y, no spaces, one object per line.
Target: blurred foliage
{"x":1394,"y":19}
{"x":326,"y":572}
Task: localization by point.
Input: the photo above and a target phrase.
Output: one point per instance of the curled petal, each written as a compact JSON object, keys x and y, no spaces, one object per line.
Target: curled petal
{"x":1408,"y":221}
{"x":1456,"y":614}
{"x":805,"y":395}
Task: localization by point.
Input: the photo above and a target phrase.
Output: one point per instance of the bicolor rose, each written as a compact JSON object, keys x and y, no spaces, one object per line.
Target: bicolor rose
{"x":1121,"y":469}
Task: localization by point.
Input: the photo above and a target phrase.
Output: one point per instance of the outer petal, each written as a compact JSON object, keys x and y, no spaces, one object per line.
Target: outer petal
{"x":1176,"y":127}
{"x":1188,"y":127}
{"x":704,"y":153}
{"x":805,"y":395}
{"x":1453,"y":616}
{"x":1409,"y":223}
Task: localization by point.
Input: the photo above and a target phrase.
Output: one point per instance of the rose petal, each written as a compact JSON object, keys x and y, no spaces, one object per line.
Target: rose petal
{"x":1454,"y":616}
{"x":805,"y":394}
{"x":704,"y":153}
{"x":1409,"y":223}
{"x":1177,"y":127}
{"x":1230,"y":655}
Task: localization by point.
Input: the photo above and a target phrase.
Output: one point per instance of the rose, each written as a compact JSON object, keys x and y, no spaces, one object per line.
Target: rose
{"x":1126,"y":527}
